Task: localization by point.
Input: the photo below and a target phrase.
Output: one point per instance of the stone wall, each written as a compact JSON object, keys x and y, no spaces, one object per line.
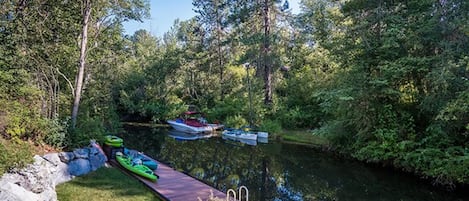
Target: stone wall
{"x":37,"y":181}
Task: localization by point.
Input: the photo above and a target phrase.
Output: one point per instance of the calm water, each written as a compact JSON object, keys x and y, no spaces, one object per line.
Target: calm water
{"x":277,"y":171}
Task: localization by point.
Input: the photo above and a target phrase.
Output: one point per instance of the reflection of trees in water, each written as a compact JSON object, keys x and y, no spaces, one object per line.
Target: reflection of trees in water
{"x":267,"y":171}
{"x":148,"y":140}
{"x":274,"y":171}
{"x":227,"y":165}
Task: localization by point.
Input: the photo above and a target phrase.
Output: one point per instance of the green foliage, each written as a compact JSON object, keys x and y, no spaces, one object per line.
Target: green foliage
{"x":24,"y":122}
{"x":270,"y":126}
{"x":235,"y":121}
{"x":389,"y":139}
{"x":228,"y":109}
{"x":446,"y":165}
{"x":14,"y":154}
{"x":392,"y":99}
{"x":57,"y":136}
{"x":87,"y":129}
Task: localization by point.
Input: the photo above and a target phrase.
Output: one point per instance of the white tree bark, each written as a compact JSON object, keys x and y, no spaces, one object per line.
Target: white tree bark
{"x":82,"y":65}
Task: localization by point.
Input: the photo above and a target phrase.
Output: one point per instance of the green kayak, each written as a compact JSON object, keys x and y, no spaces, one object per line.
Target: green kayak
{"x":136,"y":168}
{"x":113,"y":144}
{"x":114,"y":141}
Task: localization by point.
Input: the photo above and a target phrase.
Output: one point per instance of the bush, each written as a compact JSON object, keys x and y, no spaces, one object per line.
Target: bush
{"x":14,"y":155}
{"x":87,"y":129}
{"x":22,"y":122}
{"x":270,"y":126}
{"x":57,"y":133}
{"x":235,"y":121}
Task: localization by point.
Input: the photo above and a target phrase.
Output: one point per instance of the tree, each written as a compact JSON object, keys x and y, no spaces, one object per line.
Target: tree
{"x":81,"y":69}
{"x":213,"y":15}
{"x":398,"y":74}
{"x":258,"y":20}
{"x":107,"y":14}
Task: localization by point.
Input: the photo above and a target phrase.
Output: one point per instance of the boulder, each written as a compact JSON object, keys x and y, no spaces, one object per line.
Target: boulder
{"x":13,"y":192}
{"x":97,"y":158}
{"x":79,"y":167}
{"x":59,"y":172}
{"x":66,"y":156}
{"x":31,"y":183}
{"x":81,"y":153}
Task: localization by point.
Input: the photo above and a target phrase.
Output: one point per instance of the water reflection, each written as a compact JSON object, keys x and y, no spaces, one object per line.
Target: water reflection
{"x":178,"y":135}
{"x":245,"y":141}
{"x":278,"y":171}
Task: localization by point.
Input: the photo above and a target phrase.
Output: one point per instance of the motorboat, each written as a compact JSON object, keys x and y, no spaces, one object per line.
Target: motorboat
{"x":193,"y":122}
{"x":240,"y":134}
{"x":243,"y":141}
{"x":246,"y":132}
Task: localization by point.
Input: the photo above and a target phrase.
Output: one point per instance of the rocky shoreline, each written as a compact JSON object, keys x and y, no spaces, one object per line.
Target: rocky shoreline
{"x":37,"y":181}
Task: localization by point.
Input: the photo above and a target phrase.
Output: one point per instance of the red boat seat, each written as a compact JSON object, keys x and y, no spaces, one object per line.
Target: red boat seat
{"x":194,"y":123}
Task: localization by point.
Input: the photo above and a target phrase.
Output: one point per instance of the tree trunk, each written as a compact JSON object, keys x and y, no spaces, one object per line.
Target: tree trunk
{"x":219,"y":52}
{"x":267,"y":63}
{"x":81,"y":68}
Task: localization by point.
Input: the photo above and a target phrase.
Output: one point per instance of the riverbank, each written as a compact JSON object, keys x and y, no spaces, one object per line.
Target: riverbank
{"x":308,"y":138}
{"x":301,"y":137}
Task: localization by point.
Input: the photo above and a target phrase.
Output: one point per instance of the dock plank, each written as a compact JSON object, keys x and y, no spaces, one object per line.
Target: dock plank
{"x":176,"y":186}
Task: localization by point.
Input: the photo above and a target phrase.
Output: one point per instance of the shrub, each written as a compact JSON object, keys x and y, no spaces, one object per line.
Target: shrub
{"x":87,"y":129}
{"x":57,"y":133}
{"x":14,"y":155}
{"x":270,"y":126}
{"x":235,"y":121}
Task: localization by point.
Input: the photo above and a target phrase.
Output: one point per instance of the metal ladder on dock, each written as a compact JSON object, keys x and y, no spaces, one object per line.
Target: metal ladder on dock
{"x":240,"y":191}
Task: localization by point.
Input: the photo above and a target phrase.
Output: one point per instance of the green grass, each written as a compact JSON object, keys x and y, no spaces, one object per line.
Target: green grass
{"x":104,"y":184}
{"x":302,"y":137}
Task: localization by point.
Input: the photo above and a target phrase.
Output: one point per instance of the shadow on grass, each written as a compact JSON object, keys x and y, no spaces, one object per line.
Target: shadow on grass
{"x":104,"y":184}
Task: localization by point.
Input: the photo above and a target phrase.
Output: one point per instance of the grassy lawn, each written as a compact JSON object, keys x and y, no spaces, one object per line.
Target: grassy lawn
{"x":104,"y":184}
{"x":302,"y":137}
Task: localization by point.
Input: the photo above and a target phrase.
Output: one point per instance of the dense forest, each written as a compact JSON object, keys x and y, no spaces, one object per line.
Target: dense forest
{"x":385,"y":81}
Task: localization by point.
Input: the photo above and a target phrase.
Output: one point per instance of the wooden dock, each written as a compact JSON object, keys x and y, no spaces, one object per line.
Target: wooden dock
{"x":176,"y":186}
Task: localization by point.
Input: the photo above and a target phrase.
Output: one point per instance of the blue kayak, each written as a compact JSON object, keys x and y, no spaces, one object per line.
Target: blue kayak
{"x":147,"y":161}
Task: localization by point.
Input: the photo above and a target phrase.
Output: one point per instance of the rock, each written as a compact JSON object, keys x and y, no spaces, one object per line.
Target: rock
{"x":79,"y":167}
{"x":35,"y":177}
{"x":35,"y":182}
{"x":97,"y":158}
{"x":66,"y":156}
{"x":59,"y":173}
{"x":81,"y":153}
{"x":13,"y":192}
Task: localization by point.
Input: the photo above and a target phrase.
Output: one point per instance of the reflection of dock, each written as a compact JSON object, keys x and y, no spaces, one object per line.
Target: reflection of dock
{"x":176,"y":186}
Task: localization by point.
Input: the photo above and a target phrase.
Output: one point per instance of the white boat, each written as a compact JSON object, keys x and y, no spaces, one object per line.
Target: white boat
{"x":190,"y":123}
{"x":239,"y":134}
{"x":244,"y":141}
{"x":183,"y":127}
{"x":262,"y":134}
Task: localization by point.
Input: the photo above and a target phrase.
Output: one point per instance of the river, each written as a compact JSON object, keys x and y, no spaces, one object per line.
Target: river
{"x":281,"y":172}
